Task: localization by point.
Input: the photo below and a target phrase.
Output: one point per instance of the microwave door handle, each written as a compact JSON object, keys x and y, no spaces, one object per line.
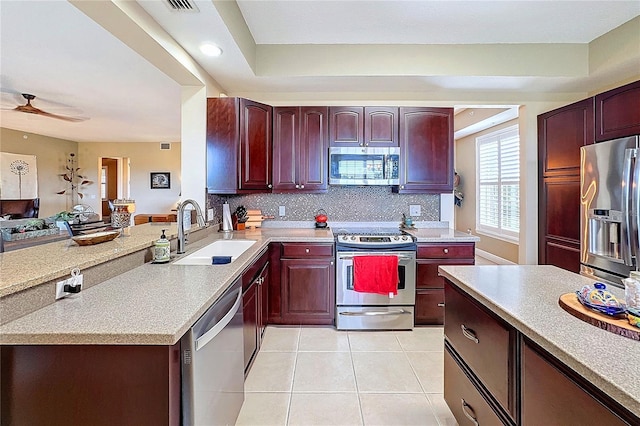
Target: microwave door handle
{"x":626,"y":249}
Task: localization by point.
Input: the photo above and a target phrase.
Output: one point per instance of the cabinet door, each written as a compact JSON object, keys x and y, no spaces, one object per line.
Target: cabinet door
{"x":313,"y":165}
{"x":308,"y":291}
{"x":618,"y":112}
{"x":559,"y":223}
{"x":255,"y":146}
{"x":263,"y":301}
{"x":429,"y":308}
{"x":380,"y":126}
{"x":346,"y":125}
{"x":551,"y":397}
{"x":250,"y":321}
{"x":426,"y":150}
{"x":561,"y":133}
{"x":285,"y":148}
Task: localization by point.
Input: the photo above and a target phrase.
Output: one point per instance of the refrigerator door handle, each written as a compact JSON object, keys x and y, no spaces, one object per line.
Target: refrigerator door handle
{"x":635,"y":209}
{"x":627,"y":198}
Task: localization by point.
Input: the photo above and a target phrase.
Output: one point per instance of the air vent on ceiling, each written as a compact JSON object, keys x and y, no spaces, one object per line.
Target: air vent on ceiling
{"x":182,"y":5}
{"x":165,"y":145}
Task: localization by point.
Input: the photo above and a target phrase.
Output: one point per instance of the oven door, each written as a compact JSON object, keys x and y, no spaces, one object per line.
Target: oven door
{"x":346,"y":295}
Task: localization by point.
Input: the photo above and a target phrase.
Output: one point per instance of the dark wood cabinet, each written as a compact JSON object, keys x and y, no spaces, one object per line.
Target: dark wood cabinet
{"x":561,"y":133}
{"x":426,"y":150}
{"x":307,"y":281}
{"x":551,"y":396}
{"x":300,"y":149}
{"x":255,"y":281}
{"x":363,"y":126}
{"x":429,"y":308}
{"x":618,"y":112}
{"x":239,"y":148}
{"x":90,"y":385}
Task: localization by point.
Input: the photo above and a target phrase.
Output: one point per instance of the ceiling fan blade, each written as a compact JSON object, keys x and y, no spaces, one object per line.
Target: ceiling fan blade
{"x":60,"y":117}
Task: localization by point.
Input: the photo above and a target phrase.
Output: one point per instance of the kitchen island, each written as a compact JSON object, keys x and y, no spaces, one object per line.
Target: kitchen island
{"x":517,"y":307}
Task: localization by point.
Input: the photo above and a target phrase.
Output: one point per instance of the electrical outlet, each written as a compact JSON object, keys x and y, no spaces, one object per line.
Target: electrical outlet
{"x":74,"y":285}
{"x":282,"y":211}
{"x":415,"y":210}
{"x":210,"y":214}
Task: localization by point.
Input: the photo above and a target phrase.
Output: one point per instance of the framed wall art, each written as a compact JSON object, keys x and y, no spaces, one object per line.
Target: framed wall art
{"x":160,"y":180}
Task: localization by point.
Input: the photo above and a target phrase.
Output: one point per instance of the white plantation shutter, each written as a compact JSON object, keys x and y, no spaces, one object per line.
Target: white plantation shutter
{"x":498,"y":189}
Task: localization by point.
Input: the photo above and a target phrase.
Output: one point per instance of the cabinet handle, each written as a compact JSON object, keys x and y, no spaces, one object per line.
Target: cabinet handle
{"x":469,"y":333}
{"x":269,"y":186}
{"x":297,"y":186}
{"x":469,"y":413}
{"x":446,"y":251}
{"x":401,"y":186}
{"x":301,"y":186}
{"x":441,"y":305}
{"x":331,"y":262}
{"x":306,"y":250}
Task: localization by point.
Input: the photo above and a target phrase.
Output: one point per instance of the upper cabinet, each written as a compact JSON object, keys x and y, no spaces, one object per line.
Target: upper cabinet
{"x":300,"y":149}
{"x":618,"y":112}
{"x":238,"y":146}
{"x":363,"y":126}
{"x":426,"y":150}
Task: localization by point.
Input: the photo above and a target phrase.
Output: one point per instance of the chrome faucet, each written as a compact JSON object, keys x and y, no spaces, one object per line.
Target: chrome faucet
{"x":182,"y":240}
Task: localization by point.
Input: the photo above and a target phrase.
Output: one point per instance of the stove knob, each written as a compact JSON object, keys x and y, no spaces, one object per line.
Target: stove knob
{"x":395,"y":238}
{"x":405,"y":238}
{"x":353,"y":237}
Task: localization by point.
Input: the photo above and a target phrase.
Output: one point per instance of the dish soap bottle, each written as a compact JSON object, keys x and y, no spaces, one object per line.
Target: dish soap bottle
{"x":162,"y":249}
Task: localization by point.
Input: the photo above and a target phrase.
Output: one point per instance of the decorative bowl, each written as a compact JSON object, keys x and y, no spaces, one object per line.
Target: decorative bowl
{"x":600,"y":299}
{"x":95,"y":238}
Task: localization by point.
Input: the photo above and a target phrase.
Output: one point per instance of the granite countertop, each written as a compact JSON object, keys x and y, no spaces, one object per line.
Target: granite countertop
{"x":526,"y":296}
{"x":441,"y":235}
{"x":153,"y":304}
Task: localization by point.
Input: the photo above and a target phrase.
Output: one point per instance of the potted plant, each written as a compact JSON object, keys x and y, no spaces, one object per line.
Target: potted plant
{"x":75,"y":180}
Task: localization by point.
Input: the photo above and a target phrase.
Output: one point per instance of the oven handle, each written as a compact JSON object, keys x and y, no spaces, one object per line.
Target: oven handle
{"x":399,"y":257}
{"x":375,"y":313}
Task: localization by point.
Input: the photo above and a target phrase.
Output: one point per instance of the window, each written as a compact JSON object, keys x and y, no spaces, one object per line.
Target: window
{"x":498,"y":188}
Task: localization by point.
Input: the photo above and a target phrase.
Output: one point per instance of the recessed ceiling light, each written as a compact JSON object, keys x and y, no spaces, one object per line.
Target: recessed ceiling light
{"x":210,"y":49}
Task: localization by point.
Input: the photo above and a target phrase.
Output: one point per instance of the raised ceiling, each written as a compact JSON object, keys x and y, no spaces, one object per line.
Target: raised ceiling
{"x":297,"y":51}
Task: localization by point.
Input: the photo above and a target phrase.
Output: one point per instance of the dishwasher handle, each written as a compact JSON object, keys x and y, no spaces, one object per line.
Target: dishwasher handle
{"x":202,"y":341}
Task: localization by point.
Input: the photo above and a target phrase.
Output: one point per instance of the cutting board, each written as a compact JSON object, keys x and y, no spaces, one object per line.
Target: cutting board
{"x":570,"y":303}
{"x":255,"y":218}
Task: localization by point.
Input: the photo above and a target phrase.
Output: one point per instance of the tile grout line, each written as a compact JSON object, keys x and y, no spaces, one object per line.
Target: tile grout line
{"x":293,"y":376}
{"x":355,"y":379}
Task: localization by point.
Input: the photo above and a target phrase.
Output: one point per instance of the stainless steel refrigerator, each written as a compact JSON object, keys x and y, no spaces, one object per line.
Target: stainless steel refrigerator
{"x":610,"y":202}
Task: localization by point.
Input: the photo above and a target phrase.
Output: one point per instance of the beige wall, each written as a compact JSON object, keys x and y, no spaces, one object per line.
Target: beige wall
{"x":465,"y":216}
{"x":144,"y":158}
{"x":51,"y":157}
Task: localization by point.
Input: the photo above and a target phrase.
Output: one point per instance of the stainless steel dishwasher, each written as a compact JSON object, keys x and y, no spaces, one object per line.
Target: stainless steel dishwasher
{"x":213,"y":363}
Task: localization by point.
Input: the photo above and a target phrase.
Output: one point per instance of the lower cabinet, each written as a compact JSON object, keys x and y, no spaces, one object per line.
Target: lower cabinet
{"x":255,"y":281}
{"x":307,"y":284}
{"x":429,"y":308}
{"x":494,"y":375}
{"x":90,"y":385}
{"x":551,"y":397}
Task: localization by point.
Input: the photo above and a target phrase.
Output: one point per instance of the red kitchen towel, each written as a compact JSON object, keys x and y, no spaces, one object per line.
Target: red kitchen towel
{"x":375,"y":274}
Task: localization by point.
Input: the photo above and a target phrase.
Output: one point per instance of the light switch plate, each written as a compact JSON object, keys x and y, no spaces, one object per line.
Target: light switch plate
{"x":282,"y":211}
{"x":415,"y":210}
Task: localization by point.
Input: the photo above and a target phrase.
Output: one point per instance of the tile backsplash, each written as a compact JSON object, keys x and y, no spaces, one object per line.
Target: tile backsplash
{"x":370,"y":203}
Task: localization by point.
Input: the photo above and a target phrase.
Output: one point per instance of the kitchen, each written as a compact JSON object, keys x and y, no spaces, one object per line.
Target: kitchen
{"x":530,"y":117}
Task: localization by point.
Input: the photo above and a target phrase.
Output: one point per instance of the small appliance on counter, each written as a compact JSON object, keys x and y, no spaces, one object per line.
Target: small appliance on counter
{"x":321,"y":219}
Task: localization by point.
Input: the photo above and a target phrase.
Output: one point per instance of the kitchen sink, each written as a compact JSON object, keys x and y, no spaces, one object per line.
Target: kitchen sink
{"x":233,"y":248}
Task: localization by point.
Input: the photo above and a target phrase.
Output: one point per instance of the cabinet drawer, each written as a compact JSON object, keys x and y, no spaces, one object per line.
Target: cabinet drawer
{"x":484,"y":342}
{"x":306,"y":250}
{"x":445,"y":251}
{"x":427,"y":271}
{"x":464,"y":400}
{"x":429,"y":307}
{"x":252,"y":271}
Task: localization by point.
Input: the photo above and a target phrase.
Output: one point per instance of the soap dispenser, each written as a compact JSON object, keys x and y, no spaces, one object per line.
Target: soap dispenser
{"x":162,"y":249}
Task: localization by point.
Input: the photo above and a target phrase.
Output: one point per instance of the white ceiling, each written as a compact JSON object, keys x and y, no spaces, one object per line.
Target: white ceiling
{"x":75,"y":67}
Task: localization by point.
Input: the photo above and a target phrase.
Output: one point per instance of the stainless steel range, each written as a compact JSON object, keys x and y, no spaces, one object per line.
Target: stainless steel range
{"x":370,"y":311}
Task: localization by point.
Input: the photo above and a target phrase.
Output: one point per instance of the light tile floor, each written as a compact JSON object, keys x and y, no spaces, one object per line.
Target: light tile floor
{"x":322,"y":376}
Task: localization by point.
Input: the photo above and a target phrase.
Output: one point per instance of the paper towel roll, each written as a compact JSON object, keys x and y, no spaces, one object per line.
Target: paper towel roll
{"x":227,"y":225}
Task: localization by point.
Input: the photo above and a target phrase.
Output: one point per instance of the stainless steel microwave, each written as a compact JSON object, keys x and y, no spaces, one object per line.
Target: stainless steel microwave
{"x":364,"y":166}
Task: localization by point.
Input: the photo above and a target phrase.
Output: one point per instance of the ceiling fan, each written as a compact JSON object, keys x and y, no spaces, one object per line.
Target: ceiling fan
{"x":28,"y":108}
